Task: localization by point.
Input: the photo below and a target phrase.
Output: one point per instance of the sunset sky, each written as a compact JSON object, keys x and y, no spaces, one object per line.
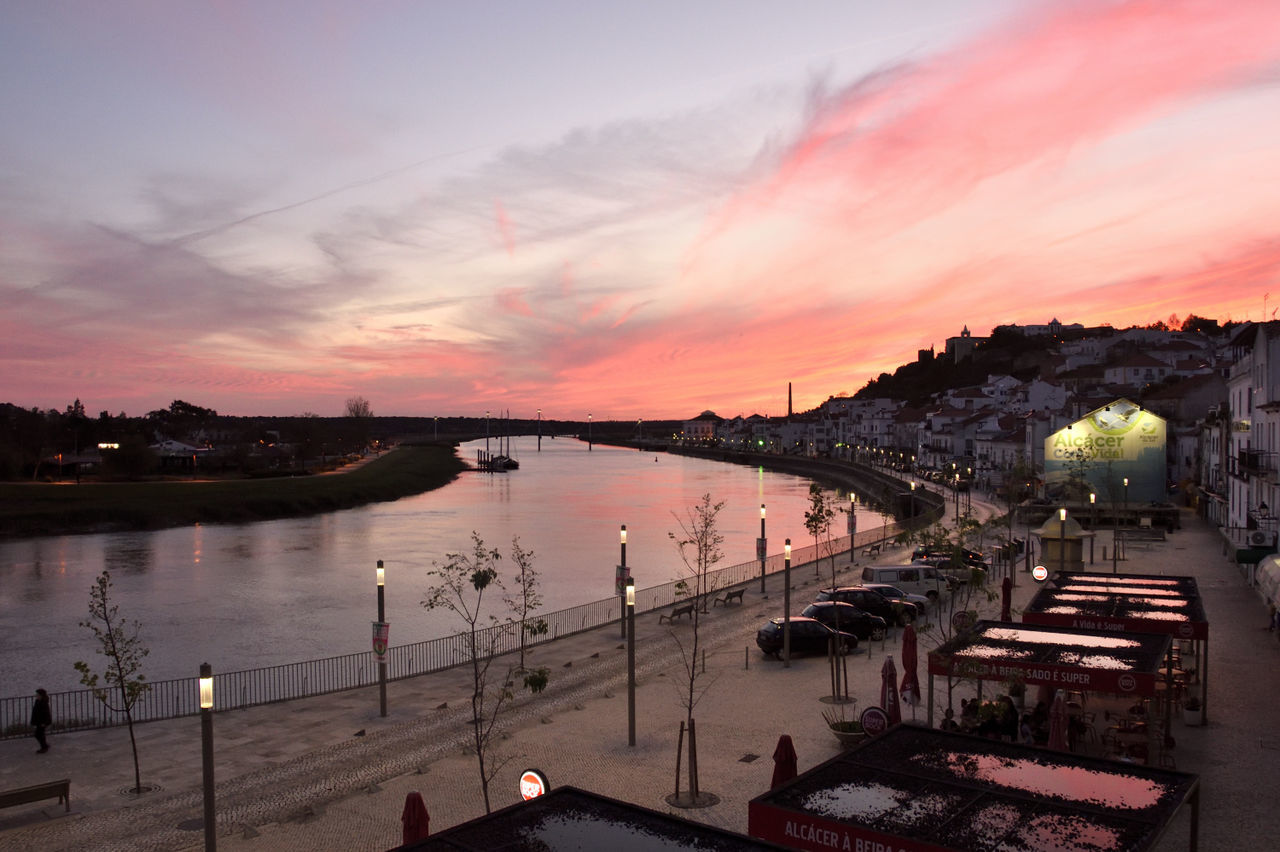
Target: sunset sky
{"x":628,"y":209}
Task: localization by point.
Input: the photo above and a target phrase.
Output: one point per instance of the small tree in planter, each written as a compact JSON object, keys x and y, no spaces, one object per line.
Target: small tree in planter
{"x":848,"y":731}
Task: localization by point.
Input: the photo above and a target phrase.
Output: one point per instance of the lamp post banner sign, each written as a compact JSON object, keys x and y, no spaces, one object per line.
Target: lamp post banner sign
{"x":620,"y":580}
{"x":381,"y":634}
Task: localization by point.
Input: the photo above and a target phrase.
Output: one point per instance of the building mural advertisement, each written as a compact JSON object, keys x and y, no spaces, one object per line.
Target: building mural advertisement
{"x":1098,"y":452}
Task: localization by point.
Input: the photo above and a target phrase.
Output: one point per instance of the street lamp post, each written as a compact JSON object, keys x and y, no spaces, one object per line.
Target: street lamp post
{"x":1126,"y":511}
{"x":1062,"y":540}
{"x":206,"y":755}
{"x":539,"y":430}
{"x":957,"y":494}
{"x":1093,"y":522}
{"x":486,"y":434}
{"x":588,"y":433}
{"x":853,"y":524}
{"x":622,"y":572}
{"x":762,"y":549}
{"x":786,"y":605}
{"x":631,"y":662}
{"x":382,"y":617}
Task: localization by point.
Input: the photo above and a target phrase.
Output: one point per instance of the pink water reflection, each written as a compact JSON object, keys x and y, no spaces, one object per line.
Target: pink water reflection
{"x":1054,"y":637}
{"x":1071,"y":783}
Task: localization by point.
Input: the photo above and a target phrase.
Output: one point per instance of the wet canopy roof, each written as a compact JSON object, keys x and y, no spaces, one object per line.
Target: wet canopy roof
{"x":1061,"y":657}
{"x":915,"y":788}
{"x":1119,"y":608}
{"x":1143,"y":583}
{"x":571,"y":820}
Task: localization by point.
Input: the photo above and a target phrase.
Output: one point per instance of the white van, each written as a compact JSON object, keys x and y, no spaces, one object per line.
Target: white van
{"x":916,"y":579}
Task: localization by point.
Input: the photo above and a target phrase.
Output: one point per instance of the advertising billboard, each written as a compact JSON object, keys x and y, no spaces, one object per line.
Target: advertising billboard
{"x":1098,"y":452}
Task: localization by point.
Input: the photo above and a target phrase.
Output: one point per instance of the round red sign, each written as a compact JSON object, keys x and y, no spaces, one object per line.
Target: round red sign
{"x":532,"y":784}
{"x":874,"y":721}
{"x":1039,"y":573}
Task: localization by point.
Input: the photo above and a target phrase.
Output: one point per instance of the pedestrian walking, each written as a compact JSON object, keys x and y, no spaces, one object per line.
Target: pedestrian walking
{"x":41,"y":718}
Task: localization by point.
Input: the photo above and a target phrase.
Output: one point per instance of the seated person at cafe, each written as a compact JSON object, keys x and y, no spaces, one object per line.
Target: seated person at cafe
{"x":1008,"y":719}
{"x":949,"y":721}
{"x":1026,"y":732}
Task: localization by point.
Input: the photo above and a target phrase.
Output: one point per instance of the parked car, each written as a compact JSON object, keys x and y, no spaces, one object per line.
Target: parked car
{"x":893,"y":593}
{"x":862,"y":624}
{"x":808,"y":636}
{"x":972,"y":557}
{"x":865,"y":599}
{"x":958,"y":572}
{"x":912,"y":579}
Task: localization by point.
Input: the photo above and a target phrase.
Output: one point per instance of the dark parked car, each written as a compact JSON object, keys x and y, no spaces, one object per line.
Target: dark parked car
{"x":893,"y":593}
{"x":955,"y":572}
{"x":864,"y":625}
{"x":868,"y":600}
{"x":807,"y":636}
{"x":972,"y":557}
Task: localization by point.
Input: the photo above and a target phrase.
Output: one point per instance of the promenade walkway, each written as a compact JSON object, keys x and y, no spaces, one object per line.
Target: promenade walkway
{"x":330,"y":773}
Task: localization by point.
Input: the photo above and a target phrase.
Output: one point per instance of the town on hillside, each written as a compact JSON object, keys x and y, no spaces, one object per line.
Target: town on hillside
{"x":1039,"y":413}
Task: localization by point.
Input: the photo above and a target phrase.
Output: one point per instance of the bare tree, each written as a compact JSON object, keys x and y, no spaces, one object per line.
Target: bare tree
{"x":527,"y":599}
{"x":460,"y":588}
{"x":358,"y":406}
{"x":698,"y":542}
{"x":817,"y":520}
{"x":118,"y":641}
{"x":966,"y":591}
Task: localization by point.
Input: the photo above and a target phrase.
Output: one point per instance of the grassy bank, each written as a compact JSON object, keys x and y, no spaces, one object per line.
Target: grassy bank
{"x":32,"y":509}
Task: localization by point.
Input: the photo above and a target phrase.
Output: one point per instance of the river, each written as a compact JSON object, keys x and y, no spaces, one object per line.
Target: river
{"x":249,"y":595}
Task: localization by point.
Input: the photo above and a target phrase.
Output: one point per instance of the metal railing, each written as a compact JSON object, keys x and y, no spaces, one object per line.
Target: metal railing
{"x":79,"y":710}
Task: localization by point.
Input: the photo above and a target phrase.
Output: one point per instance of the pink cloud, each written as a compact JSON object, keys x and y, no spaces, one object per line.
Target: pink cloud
{"x":505,"y":229}
{"x":910,"y":140}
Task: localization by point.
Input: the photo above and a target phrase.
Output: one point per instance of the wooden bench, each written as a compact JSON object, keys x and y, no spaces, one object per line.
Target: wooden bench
{"x":683,"y":609}
{"x":61,"y":790}
{"x":871,"y":549}
{"x":1142,"y":537}
{"x":724,"y":599}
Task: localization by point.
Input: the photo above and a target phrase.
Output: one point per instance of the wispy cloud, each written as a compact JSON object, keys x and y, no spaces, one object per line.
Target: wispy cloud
{"x":1095,"y":161}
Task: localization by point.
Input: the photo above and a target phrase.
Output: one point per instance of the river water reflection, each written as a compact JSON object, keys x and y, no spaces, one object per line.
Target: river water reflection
{"x":248,"y":595}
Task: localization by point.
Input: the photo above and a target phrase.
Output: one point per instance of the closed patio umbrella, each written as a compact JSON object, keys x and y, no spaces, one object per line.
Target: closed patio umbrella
{"x":784,"y":762}
{"x":889,"y":691}
{"x":910,"y":680}
{"x":415,"y":818}
{"x":1058,"y":722}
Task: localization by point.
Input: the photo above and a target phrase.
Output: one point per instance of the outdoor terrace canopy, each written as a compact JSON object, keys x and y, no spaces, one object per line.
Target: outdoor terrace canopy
{"x":568,"y":818}
{"x":1180,"y":585}
{"x":1058,"y":657}
{"x":1121,"y":606}
{"x":914,"y":789}
{"x":1138,"y":603}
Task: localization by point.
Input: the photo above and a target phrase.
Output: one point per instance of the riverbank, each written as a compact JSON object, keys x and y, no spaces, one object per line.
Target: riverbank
{"x":878,"y":487}
{"x":38,"y":509}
